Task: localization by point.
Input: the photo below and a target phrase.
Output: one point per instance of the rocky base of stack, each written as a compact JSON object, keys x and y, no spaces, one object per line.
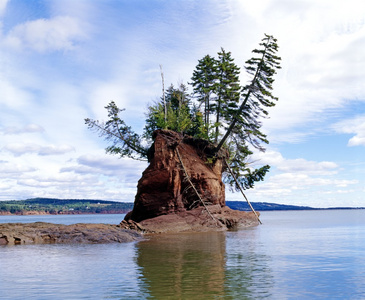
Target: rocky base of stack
{"x":48,"y":233}
{"x":212,"y":218}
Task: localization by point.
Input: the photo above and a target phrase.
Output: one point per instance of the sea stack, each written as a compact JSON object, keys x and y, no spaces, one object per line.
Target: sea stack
{"x":182,"y":188}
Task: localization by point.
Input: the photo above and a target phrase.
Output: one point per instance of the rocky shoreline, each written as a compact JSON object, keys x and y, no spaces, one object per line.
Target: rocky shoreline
{"x":211,"y":218}
{"x":180,"y":191}
{"x":49,"y":233}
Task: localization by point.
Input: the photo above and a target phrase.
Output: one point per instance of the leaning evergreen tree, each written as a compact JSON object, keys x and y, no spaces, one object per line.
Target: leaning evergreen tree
{"x":124,"y":141}
{"x":244,"y":127}
{"x":227,"y":107}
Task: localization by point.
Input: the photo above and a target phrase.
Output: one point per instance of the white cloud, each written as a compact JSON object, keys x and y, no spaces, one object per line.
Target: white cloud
{"x":42,"y":35}
{"x":354,"y":126}
{"x":59,"y":180}
{"x":20,"y":149}
{"x":13,"y":96}
{"x":323,"y":65}
{"x":8,"y":169}
{"x":298,"y":166}
{"x":357,"y":140}
{"x":30,"y":128}
{"x":118,"y":53}
{"x":125,"y":168}
{"x":301,"y":165}
{"x":3,"y":6}
{"x":303,"y":189}
{"x":300,"y":181}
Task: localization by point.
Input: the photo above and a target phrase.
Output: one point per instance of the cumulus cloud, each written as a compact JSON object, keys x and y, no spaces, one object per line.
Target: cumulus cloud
{"x":300,"y":181}
{"x":299,"y":165}
{"x":8,"y":169}
{"x":59,"y":180}
{"x":58,"y":33}
{"x":354,"y":126}
{"x":13,"y":96}
{"x":2,"y":6}
{"x":20,"y":149}
{"x":30,"y":128}
{"x":108,"y":165}
{"x":320,"y":43}
{"x":297,"y":181}
{"x":322,"y":70}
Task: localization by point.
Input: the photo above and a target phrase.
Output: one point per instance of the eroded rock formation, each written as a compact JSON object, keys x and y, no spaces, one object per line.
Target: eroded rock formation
{"x":182,"y":187}
{"x":164,"y":188}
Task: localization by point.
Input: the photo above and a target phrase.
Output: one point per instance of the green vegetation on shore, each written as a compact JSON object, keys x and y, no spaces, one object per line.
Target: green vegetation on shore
{"x":79,"y":206}
{"x":58,"y":206}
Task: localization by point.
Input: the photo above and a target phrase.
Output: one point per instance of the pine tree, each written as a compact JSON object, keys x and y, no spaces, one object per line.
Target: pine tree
{"x":124,"y":141}
{"x":227,"y":90}
{"x":257,"y":94}
{"x":179,"y":118}
{"x":245,"y":125}
{"x":204,"y":83}
{"x":217,"y":89}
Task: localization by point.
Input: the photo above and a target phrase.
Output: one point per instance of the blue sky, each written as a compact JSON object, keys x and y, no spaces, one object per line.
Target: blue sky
{"x":63,"y":60}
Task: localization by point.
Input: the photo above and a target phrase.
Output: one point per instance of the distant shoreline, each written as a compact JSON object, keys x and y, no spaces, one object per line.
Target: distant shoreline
{"x":51,"y":206}
{"x":41,"y":213}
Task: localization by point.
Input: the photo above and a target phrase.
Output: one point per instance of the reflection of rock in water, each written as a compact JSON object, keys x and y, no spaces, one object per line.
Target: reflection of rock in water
{"x":247,"y":275}
{"x":210,"y":265}
{"x":183,"y":266}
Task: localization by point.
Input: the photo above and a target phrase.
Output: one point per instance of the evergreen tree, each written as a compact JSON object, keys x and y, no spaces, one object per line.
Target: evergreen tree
{"x":180,"y":117}
{"x":204,"y":84}
{"x":227,"y":90}
{"x":245,"y":125}
{"x":217,"y":89}
{"x":124,"y":141}
{"x":256,"y":94}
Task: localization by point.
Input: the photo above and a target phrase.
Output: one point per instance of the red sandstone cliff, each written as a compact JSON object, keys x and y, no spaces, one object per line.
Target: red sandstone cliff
{"x":166,"y":197}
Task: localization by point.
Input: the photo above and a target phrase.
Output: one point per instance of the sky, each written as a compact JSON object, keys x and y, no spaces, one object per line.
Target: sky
{"x":62,"y":61}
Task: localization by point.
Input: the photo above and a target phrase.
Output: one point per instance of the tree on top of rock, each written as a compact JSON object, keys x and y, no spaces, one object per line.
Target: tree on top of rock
{"x":220,"y":110}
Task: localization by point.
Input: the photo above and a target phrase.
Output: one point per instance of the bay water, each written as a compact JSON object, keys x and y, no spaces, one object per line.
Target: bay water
{"x":293,"y":255}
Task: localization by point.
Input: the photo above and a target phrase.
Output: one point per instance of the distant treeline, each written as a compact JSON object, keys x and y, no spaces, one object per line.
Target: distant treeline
{"x":79,"y":206}
{"x":68,"y":206}
{"x":264,"y":206}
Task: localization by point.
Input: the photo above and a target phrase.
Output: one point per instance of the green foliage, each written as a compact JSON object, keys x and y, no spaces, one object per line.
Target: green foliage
{"x":244,"y":128}
{"x":219,"y":105}
{"x":182,"y":116}
{"x":256,"y":95}
{"x":124,"y":141}
{"x":227,"y":89}
{"x":216,"y":87}
{"x":204,"y":86}
{"x":58,"y":206}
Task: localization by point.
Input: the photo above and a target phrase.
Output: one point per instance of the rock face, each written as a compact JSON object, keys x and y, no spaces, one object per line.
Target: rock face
{"x":167,"y":197}
{"x":40,"y":233}
{"x":199,"y":220}
{"x":164,"y":189}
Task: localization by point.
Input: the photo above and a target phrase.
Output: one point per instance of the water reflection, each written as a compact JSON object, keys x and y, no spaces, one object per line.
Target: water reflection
{"x":199,"y":266}
{"x":248,"y":271}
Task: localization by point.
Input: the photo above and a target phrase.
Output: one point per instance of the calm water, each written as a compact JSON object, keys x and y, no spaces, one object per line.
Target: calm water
{"x":65,"y":219}
{"x":293,"y":255}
